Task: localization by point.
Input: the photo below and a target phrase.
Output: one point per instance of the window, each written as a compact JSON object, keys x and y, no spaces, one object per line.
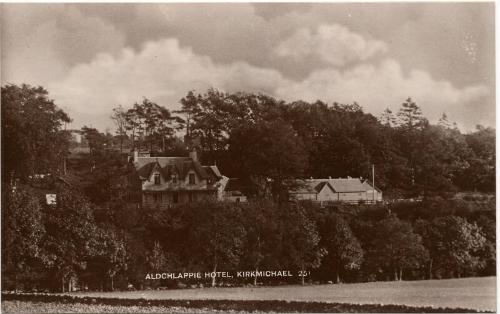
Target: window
{"x":157,"y":178}
{"x":157,"y":197}
{"x":192,"y":178}
{"x":174,"y":179}
{"x":175,"y":197}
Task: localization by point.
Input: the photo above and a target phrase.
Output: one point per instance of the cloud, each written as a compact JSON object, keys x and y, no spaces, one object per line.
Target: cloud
{"x":164,"y":72}
{"x":334,"y":44}
{"x":385,"y":85}
{"x":41,"y":42}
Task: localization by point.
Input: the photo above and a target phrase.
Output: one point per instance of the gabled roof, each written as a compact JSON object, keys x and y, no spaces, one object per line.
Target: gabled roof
{"x":71,"y":180}
{"x":213,"y":170}
{"x":173,"y":165}
{"x":347,"y":185}
{"x":145,"y":171}
{"x":341,"y":185}
{"x":305,"y":187}
{"x":321,"y":185}
{"x":370,"y":187}
{"x":163,"y":161}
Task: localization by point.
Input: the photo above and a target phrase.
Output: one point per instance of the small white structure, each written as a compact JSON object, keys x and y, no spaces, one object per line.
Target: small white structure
{"x":51,"y":199}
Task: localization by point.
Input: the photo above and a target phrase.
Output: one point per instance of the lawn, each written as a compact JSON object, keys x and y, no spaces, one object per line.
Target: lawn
{"x":407,"y":296}
{"x":42,"y":307}
{"x":470,"y":293}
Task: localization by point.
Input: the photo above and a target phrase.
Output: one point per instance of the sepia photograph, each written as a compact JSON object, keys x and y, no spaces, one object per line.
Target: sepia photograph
{"x":312,"y":157}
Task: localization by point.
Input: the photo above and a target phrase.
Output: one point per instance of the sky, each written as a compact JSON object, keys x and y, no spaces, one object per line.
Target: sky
{"x":94,"y":57}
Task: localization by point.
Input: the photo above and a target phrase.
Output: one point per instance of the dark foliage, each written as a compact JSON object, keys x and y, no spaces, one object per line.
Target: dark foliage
{"x":97,"y":236}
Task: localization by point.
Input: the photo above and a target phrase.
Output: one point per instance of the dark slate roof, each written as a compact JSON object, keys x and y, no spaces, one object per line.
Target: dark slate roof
{"x":72,"y":180}
{"x":163,"y":161}
{"x":145,"y":170}
{"x":213,"y":170}
{"x":320,"y":186}
{"x":304,"y":187}
{"x":347,"y":185}
{"x":172,"y":165}
{"x":341,"y":185}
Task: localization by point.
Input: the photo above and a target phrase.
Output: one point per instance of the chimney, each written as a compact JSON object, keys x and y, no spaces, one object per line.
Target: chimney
{"x":193,"y":154}
{"x":136,"y":155}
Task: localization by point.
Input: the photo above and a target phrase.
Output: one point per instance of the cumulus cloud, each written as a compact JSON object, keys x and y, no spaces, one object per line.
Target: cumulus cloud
{"x":92,"y":57}
{"x":384,"y":85}
{"x":333,"y":43}
{"x":41,"y":42}
{"x":164,"y":71}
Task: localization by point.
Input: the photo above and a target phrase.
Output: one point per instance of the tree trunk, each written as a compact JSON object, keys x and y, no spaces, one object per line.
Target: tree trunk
{"x":337,"y":276}
{"x":255,"y":278}
{"x":401,"y":274}
{"x":213,"y":277}
{"x":112,"y":284}
{"x":62,"y":281}
{"x":395,"y":275}
{"x":303,"y":277}
{"x":15,"y":282}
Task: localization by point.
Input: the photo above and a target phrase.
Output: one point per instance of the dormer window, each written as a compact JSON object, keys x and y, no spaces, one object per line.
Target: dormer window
{"x":157,"y":178}
{"x":192,"y":178}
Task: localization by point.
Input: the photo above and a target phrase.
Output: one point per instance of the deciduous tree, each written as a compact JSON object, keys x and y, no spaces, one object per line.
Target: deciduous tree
{"x":344,"y":249}
{"x":33,"y":141}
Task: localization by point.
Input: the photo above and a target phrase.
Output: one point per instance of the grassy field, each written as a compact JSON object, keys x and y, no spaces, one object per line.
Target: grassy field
{"x":41,"y":307}
{"x":471,"y":293}
{"x":468,"y":293}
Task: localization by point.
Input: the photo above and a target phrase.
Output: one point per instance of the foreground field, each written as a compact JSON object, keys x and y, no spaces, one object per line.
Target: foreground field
{"x":42,"y":307}
{"x":456,"y":295}
{"x":30,"y":303}
{"x":467,"y":293}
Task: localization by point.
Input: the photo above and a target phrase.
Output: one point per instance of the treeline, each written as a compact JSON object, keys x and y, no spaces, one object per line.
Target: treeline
{"x":265,"y":141}
{"x":54,"y":247}
{"x":257,"y":138}
{"x":95,"y":236}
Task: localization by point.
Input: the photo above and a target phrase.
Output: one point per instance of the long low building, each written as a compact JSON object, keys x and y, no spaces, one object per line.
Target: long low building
{"x":349,"y":190}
